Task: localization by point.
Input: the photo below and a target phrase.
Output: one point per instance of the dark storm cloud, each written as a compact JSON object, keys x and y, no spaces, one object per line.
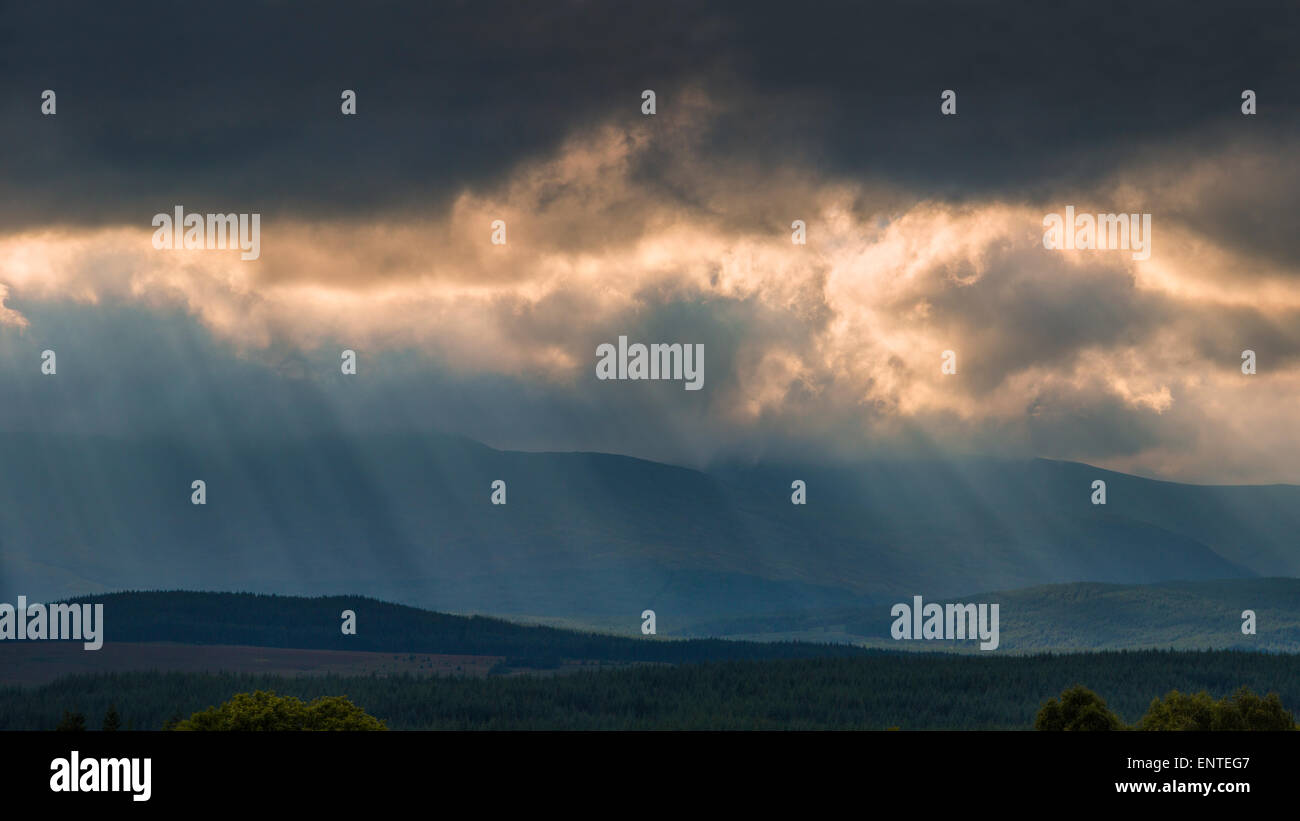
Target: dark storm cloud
{"x":239,"y":107}
{"x":924,"y":231}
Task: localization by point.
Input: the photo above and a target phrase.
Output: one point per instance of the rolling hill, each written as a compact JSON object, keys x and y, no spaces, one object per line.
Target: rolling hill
{"x":1073,"y":618}
{"x":594,"y":539}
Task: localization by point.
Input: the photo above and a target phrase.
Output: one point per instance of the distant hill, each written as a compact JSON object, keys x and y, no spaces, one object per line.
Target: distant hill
{"x":593,"y":538}
{"x":1054,"y":618}
{"x":1075,"y":617}
{"x":314,"y":623}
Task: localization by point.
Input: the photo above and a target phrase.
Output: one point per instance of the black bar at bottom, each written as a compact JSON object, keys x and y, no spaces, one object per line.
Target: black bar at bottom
{"x":552,"y":771}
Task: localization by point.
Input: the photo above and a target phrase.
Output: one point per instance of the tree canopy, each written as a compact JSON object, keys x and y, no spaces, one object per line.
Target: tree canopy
{"x":264,"y":710}
{"x":1243,"y":711}
{"x":1081,"y":709}
{"x":1078,"y":709}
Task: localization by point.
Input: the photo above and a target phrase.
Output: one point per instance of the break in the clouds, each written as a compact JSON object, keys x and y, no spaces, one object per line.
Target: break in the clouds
{"x":924,"y":232}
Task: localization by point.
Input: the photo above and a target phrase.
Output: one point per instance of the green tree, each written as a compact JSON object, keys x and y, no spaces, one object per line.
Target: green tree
{"x":1250,"y":712}
{"x":264,"y":710}
{"x":72,"y":722}
{"x":1243,"y":711}
{"x":1079,"y":709}
{"x":112,"y":721}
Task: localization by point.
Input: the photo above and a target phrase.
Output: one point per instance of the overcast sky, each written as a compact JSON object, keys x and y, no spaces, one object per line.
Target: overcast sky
{"x":924,"y":231}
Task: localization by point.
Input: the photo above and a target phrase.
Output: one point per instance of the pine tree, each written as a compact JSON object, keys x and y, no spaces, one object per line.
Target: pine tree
{"x":72,"y":722}
{"x":112,"y":721}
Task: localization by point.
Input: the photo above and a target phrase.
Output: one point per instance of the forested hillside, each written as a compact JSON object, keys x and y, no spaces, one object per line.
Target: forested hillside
{"x":875,"y":691}
{"x":314,"y":623}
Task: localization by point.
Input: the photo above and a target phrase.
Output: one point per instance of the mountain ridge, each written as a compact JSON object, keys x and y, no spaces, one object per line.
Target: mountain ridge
{"x":599,"y":537}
